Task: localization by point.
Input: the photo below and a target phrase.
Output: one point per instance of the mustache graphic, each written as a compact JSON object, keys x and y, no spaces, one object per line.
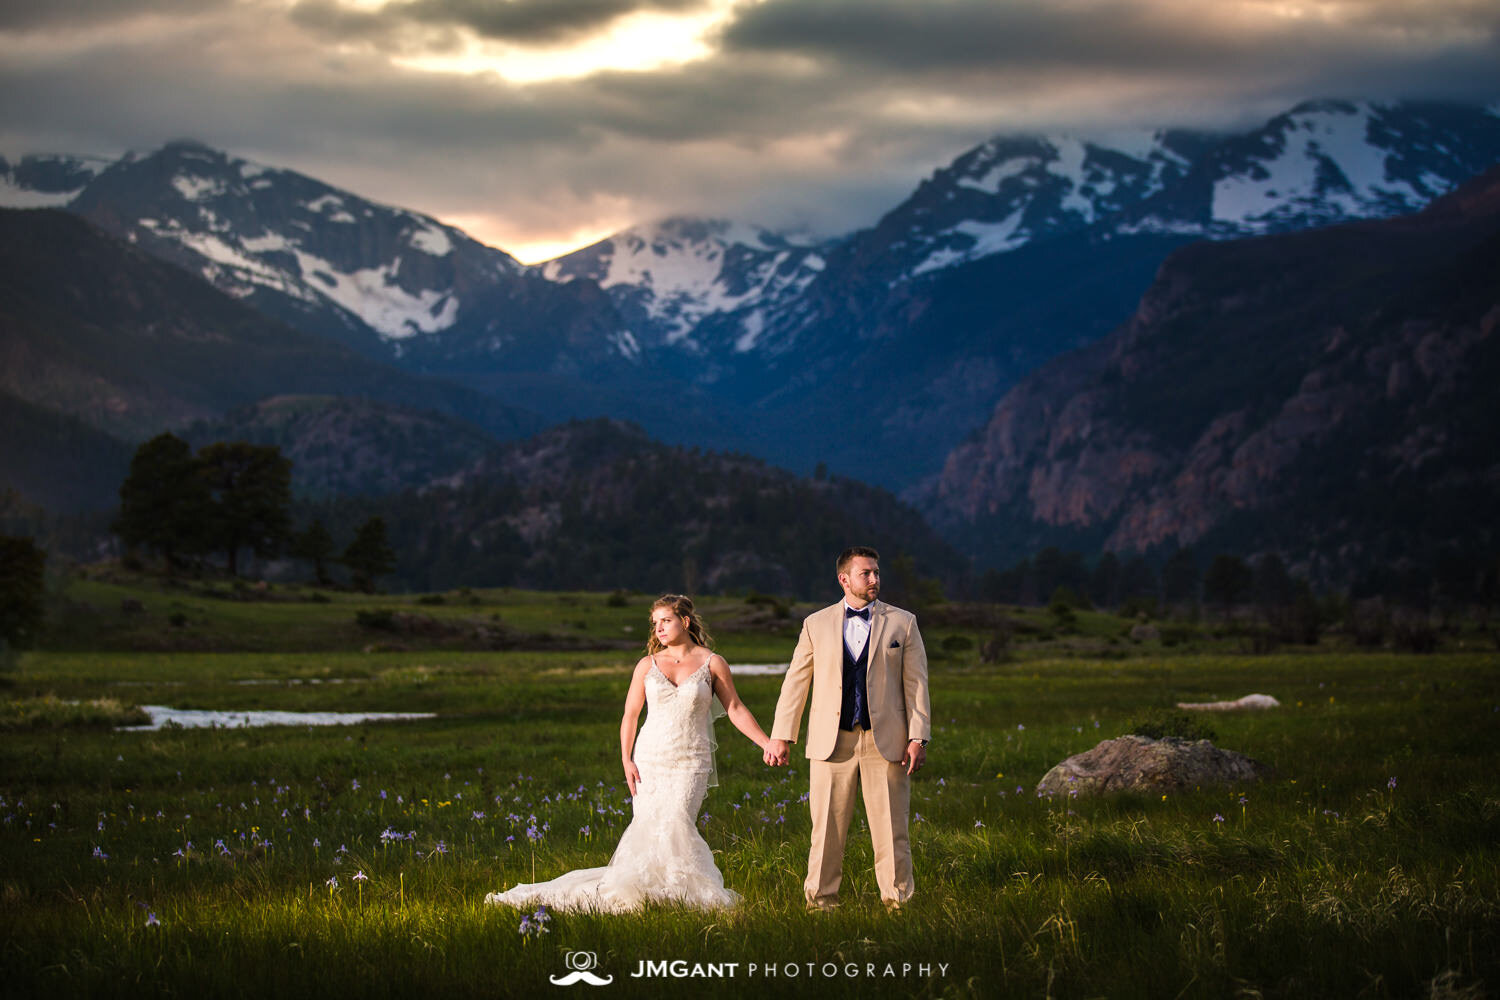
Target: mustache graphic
{"x":585,"y":977}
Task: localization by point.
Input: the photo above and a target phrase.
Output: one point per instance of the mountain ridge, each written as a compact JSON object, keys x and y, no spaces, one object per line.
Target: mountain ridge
{"x":1020,"y":248}
{"x":1346,"y":366}
{"x":95,"y":329}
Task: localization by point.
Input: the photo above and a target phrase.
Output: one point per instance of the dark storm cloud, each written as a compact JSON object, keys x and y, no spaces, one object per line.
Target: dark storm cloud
{"x":823,"y":111}
{"x":27,"y":15}
{"x":959,"y":39}
{"x":520,"y":21}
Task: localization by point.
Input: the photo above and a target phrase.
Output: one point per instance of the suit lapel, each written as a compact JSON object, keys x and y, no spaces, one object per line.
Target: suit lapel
{"x":876,"y":660}
{"x":836,"y":639}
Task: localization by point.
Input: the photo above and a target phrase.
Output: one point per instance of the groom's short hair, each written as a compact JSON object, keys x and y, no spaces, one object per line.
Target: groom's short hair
{"x":852,"y":553}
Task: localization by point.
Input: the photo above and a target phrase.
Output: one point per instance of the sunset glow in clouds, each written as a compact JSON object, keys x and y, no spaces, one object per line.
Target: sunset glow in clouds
{"x":539,"y":125}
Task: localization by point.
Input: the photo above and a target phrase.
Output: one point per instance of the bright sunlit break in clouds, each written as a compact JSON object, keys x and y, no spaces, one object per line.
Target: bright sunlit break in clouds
{"x":540,"y":125}
{"x":639,"y":42}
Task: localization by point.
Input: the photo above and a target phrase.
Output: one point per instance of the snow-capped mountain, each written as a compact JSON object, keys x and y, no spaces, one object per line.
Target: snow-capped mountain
{"x":1025,"y":247}
{"x":46,"y":181}
{"x":1015,"y":190}
{"x":701,"y":285}
{"x":1017,"y":250}
{"x":292,"y":245}
{"x":1322,"y":163}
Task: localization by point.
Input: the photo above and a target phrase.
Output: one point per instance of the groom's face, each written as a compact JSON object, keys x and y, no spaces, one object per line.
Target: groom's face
{"x":861,"y":580}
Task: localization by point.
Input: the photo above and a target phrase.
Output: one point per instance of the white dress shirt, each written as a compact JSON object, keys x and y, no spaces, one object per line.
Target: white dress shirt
{"x":856,"y":633}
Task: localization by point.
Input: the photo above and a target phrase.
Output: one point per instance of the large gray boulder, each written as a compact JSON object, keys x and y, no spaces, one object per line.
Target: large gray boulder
{"x":1141,"y":764}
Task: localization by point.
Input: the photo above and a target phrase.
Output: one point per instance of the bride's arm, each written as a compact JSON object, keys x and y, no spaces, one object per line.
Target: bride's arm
{"x":635,"y":699}
{"x":738,"y":712}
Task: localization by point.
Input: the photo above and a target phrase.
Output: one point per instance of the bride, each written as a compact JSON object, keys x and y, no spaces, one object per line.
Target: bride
{"x":668,"y":768}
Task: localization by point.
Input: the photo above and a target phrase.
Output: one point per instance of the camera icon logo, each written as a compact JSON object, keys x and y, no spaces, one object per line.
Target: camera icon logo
{"x":581,"y":965}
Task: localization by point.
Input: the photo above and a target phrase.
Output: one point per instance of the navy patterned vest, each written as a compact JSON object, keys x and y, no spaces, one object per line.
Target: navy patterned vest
{"x":856,"y":706}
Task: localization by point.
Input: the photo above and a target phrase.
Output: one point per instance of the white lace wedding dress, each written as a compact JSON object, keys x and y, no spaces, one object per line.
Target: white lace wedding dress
{"x":661,"y":857}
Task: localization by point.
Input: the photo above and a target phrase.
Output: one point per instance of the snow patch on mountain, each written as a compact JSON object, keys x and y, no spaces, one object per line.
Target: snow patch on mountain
{"x":197,"y":188}
{"x":752,"y":325}
{"x":1327,"y":167}
{"x":1068,"y":165}
{"x":1000,"y":173}
{"x":985,"y":238}
{"x":431,"y":240}
{"x":266,"y":243}
{"x":626,"y":344}
{"x":1013,"y":190}
{"x":679,"y":272}
{"x":374,"y":296}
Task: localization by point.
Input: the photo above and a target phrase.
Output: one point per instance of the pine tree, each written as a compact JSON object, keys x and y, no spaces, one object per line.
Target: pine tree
{"x":1180,"y":578}
{"x":164,"y":501}
{"x":316,"y":546}
{"x":369,"y":555}
{"x":251,"y":490}
{"x":1227,"y":582}
{"x":22,"y":589}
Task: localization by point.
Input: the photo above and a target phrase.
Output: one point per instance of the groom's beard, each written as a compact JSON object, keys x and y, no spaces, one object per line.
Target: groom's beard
{"x":870,"y":593}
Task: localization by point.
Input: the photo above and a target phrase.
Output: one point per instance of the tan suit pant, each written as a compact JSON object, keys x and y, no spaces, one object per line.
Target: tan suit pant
{"x":886,"y":789}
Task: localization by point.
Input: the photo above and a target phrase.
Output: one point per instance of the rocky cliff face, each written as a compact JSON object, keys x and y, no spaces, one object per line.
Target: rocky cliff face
{"x":1328,"y":392}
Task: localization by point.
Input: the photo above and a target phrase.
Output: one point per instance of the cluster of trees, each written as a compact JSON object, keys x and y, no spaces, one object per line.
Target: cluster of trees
{"x":22,"y":587}
{"x":603,"y":506}
{"x":1449,"y":583}
{"x":229,"y":498}
{"x":1132,"y":585}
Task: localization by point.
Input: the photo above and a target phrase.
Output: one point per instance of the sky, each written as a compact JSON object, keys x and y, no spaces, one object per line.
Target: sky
{"x":539,"y":126}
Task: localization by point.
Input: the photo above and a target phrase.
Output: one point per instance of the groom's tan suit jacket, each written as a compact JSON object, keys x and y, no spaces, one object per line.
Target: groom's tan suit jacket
{"x":895,"y":682}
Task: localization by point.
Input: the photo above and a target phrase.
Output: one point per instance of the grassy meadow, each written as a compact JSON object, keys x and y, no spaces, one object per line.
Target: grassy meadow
{"x":318,"y":861}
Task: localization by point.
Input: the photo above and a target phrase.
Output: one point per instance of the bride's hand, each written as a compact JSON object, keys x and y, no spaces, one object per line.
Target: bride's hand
{"x":632,"y":775}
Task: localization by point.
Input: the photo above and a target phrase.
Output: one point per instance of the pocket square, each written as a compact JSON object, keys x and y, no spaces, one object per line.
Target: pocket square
{"x":895,"y":644}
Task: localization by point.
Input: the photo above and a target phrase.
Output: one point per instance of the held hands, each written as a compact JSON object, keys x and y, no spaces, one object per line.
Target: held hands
{"x":632,"y":776}
{"x":915,"y":757}
{"x":777,"y":753}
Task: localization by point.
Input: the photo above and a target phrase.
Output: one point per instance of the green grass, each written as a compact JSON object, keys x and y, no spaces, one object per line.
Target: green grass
{"x":214,"y":616}
{"x":51,"y":712}
{"x":1324,"y":881}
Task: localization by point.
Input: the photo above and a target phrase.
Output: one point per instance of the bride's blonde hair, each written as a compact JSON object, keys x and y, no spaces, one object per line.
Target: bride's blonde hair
{"x":681,"y":606}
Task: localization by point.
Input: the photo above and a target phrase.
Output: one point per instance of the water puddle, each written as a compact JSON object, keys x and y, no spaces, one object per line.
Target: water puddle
{"x":758,"y":669}
{"x":196,"y":718}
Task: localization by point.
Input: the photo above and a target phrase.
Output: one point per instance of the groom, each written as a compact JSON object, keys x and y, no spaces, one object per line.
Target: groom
{"x":869,"y":726}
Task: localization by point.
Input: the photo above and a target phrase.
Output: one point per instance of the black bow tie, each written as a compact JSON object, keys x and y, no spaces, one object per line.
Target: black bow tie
{"x":861,"y":613}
